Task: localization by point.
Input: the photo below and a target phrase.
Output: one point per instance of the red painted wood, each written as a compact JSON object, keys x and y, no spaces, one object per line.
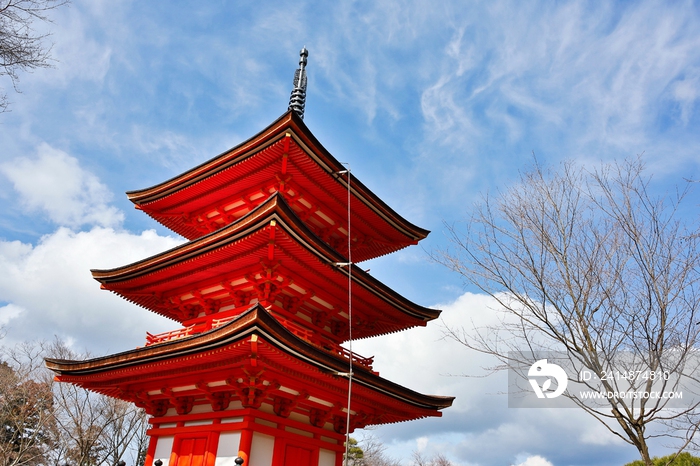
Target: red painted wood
{"x":212,"y":448}
{"x":191,"y":451}
{"x":298,"y":456}
{"x":246,"y":444}
{"x":150,"y":453}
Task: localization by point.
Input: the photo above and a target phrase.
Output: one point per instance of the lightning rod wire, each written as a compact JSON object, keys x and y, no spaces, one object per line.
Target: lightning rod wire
{"x":350,"y":372}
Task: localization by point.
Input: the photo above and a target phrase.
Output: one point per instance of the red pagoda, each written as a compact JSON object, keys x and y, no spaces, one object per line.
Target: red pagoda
{"x":266,"y":293}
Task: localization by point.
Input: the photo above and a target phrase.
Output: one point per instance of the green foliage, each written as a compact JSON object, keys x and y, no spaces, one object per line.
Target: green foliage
{"x":683,"y":459}
{"x":355,"y":454}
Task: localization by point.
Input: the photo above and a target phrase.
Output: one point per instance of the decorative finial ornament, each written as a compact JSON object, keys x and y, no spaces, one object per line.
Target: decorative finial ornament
{"x":297,"y":100}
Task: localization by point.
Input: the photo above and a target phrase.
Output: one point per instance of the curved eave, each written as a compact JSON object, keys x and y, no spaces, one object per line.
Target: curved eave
{"x":255,"y":321}
{"x":275,"y":208}
{"x":289,"y":122}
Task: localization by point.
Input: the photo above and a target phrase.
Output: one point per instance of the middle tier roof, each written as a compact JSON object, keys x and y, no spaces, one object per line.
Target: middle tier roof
{"x":272,"y":257}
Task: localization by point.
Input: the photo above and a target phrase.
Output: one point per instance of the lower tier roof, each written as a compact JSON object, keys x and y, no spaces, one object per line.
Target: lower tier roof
{"x":252,"y":360}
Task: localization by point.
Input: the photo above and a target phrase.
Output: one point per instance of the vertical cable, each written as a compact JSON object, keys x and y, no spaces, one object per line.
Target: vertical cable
{"x":350,"y":373}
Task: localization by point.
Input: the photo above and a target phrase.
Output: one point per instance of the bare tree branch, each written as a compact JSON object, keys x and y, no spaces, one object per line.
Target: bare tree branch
{"x":26,"y":408}
{"x":94,"y":429}
{"x":592,"y":265}
{"x":22,"y":48}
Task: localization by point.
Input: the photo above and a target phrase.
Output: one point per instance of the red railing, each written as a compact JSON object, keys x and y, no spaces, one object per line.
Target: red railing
{"x":365,"y":362}
{"x":297,"y":330}
{"x":186,"y":331}
{"x":304,"y":334}
{"x":216,"y":323}
{"x":171,"y":335}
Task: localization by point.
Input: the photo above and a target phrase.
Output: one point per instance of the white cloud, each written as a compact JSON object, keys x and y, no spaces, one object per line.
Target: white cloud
{"x":9,"y":312}
{"x":479,"y":428}
{"x":427,"y":351}
{"x":535,"y":461}
{"x":47,"y":286}
{"x":54,"y":183}
{"x":597,"y":434}
{"x":50,"y":290}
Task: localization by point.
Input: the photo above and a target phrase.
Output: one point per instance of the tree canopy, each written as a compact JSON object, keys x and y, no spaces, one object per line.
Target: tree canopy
{"x":682,"y":459}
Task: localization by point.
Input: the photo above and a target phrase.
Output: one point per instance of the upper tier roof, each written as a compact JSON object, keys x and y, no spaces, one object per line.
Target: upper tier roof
{"x":284,"y":157}
{"x":272,"y":256}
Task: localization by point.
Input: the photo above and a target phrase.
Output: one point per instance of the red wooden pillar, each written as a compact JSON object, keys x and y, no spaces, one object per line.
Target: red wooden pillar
{"x":150,"y":453}
{"x":212,"y":449}
{"x":278,"y":453}
{"x":246,"y":444}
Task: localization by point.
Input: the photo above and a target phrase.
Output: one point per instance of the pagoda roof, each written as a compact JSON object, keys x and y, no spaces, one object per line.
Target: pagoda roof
{"x":269,"y":250}
{"x":257,"y":342}
{"x":283,"y":157}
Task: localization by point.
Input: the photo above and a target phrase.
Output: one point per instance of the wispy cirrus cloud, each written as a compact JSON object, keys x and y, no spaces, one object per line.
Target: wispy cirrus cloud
{"x":588,"y":77}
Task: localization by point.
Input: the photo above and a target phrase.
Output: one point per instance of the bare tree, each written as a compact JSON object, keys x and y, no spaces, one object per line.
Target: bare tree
{"x":21,"y":47}
{"x":93,"y":429}
{"x":26,"y":408}
{"x":125,"y":432}
{"x":42,"y":422}
{"x":441,"y":460}
{"x":591,"y":264}
{"x":419,"y":459}
{"x":372,"y":453}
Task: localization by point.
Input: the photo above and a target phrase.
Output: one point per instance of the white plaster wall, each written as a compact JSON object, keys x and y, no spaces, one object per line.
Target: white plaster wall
{"x":164,"y":447}
{"x":326,"y":458}
{"x":261,"y":450}
{"x":229,"y":443}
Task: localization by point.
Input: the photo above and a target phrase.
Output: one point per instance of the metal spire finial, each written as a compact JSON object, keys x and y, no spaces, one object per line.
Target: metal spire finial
{"x":297,"y":100}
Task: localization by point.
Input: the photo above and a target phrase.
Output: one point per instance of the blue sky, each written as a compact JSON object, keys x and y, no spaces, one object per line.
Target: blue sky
{"x":431,"y":104}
